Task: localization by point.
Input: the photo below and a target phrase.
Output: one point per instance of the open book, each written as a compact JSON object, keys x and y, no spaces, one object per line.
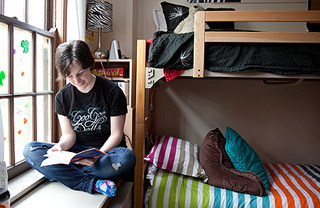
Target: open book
{"x":66,"y":157}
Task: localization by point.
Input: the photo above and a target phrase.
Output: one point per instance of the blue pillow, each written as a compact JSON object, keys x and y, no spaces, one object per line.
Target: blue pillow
{"x":243,"y":157}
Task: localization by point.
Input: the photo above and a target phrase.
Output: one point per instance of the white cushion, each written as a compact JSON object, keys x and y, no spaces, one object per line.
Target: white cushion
{"x":159,"y":20}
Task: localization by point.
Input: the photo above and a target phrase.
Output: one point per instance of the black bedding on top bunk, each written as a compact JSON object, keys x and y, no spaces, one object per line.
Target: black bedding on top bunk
{"x":175,"y":51}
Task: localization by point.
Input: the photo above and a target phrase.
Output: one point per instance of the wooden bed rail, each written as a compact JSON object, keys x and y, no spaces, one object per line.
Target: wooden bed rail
{"x":143,"y":123}
{"x":201,"y":36}
{"x":139,"y":146}
{"x":262,"y":16}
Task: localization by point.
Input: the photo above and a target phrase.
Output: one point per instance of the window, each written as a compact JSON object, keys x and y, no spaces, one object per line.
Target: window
{"x":26,"y":78}
{"x":31,"y":12}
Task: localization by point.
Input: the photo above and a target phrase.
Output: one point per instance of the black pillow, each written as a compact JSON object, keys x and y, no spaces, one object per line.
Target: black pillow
{"x":174,"y":14}
{"x":221,"y":25}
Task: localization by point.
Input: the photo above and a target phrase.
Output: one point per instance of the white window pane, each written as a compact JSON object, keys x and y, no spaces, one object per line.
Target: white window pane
{"x":15,"y":8}
{"x":4,"y":59}
{"x":22,"y":125}
{"x":36,"y":13}
{"x":4,"y":103}
{"x":44,"y":64}
{"x":23,"y":57}
{"x":44,"y":115}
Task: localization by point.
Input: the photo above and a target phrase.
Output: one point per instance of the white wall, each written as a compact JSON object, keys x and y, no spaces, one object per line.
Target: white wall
{"x":280,"y":122}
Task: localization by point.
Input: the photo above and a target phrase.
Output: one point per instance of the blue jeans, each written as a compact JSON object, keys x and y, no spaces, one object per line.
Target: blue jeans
{"x":80,"y":177}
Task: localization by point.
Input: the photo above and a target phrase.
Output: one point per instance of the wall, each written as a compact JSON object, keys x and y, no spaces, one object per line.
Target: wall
{"x":279,"y":122}
{"x":147,"y":27}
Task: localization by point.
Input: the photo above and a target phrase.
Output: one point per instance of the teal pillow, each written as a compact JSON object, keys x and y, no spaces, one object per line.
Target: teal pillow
{"x":243,"y":157}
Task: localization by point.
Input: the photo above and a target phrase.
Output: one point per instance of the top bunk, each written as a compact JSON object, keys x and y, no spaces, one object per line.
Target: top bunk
{"x":302,"y":62}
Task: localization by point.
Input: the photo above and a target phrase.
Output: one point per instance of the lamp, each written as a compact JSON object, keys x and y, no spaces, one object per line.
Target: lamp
{"x":99,"y":19}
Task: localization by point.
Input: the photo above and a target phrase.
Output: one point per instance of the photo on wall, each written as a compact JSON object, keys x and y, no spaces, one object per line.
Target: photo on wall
{"x":211,"y":1}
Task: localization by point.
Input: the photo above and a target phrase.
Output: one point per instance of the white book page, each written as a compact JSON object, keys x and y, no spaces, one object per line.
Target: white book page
{"x":58,"y":157}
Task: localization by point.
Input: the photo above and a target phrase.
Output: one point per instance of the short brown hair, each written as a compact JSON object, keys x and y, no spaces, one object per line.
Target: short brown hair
{"x":70,"y":52}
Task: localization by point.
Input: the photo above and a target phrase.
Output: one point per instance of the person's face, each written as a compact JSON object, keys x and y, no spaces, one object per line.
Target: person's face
{"x":82,"y":79}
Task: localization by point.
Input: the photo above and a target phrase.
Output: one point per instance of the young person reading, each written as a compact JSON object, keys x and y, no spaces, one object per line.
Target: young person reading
{"x":91,"y":112}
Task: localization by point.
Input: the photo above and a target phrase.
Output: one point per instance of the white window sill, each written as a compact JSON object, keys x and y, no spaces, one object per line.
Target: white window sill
{"x":53,"y":194}
{"x":24,"y":183}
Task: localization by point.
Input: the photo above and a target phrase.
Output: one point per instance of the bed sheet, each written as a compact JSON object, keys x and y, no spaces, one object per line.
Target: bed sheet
{"x":291,"y":185}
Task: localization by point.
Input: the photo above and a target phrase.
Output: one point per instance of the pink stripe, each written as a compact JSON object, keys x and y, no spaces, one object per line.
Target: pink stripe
{"x":154,"y":148}
{"x":162,"y":152}
{"x":172,"y":153}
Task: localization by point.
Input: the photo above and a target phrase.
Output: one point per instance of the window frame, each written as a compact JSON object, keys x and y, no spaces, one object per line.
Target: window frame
{"x":49,"y":13}
{"x":20,"y":167}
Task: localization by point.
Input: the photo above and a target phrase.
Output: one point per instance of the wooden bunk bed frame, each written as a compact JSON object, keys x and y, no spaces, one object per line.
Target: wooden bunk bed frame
{"x":148,"y":76}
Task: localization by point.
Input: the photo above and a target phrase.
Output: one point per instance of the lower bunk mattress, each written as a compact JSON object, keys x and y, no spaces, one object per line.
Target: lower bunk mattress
{"x":291,"y":185}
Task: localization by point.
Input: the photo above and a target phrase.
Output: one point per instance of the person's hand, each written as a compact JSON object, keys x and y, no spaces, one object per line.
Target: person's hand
{"x":56,"y":147}
{"x":88,"y":161}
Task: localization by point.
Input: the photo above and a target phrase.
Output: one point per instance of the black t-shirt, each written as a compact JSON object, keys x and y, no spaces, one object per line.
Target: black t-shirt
{"x":89,"y":113}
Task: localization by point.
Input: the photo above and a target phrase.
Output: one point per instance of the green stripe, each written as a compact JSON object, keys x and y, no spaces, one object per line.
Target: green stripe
{"x":205,"y":196}
{"x":152,"y":190}
{"x":194,"y":189}
{"x":162,"y":188}
{"x":173,"y":189}
{"x":182,"y":192}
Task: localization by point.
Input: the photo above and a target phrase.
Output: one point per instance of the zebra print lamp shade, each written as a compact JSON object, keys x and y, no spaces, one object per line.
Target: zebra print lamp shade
{"x":99,"y":19}
{"x":99,"y":15}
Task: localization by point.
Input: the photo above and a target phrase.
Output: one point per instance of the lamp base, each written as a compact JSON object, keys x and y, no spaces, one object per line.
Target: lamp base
{"x":100,"y":54}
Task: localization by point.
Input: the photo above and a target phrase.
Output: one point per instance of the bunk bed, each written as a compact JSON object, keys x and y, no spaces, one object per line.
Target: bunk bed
{"x":280,"y":175}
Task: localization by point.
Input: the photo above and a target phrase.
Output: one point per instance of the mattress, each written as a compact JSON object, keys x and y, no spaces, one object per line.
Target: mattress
{"x":175,"y":51}
{"x":291,"y":185}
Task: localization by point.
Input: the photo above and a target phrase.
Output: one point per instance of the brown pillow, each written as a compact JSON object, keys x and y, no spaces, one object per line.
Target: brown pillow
{"x":221,"y":173}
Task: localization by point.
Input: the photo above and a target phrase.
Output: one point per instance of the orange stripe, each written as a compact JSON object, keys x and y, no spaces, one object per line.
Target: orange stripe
{"x":303,"y":186}
{"x":275,"y":193}
{"x":290,"y":198}
{"x":312,"y":184}
{"x":302,"y":198}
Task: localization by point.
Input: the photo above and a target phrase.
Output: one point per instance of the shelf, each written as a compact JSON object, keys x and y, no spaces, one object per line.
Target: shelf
{"x":129,"y":68}
{"x":119,"y":79}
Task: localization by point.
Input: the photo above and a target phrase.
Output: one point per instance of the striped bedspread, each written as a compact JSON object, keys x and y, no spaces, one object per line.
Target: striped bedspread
{"x":291,"y":185}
